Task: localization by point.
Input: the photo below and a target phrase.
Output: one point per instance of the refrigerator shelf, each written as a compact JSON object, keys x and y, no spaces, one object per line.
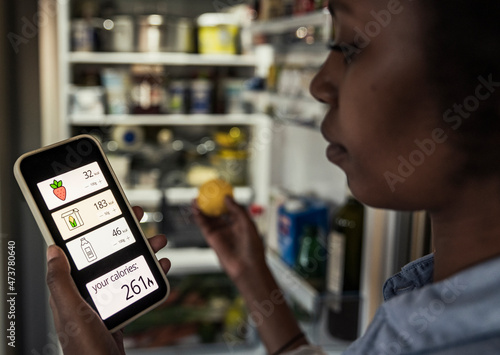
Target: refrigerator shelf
{"x":169,"y":119}
{"x":180,"y":195}
{"x":292,"y":284}
{"x":164,"y":58}
{"x":186,"y":261}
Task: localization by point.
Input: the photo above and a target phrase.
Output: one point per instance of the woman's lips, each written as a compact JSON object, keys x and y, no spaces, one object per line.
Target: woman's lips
{"x":336,"y":152}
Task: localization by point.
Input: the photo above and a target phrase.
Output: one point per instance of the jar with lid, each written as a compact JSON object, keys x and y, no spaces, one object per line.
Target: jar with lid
{"x":218,"y":33}
{"x":180,"y":34}
{"x":201,"y":96}
{"x":152,"y":33}
{"x":122,"y":33}
{"x":148,"y":89}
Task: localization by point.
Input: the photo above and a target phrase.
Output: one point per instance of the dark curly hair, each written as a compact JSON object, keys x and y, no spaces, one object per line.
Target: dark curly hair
{"x":463,"y":51}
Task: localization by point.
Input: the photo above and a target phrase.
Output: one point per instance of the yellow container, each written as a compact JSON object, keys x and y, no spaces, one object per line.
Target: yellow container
{"x":232,"y":166}
{"x":234,"y":138}
{"x":217,"y":33}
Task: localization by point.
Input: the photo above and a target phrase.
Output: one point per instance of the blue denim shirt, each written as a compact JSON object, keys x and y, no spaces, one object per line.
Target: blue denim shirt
{"x":457,"y":316}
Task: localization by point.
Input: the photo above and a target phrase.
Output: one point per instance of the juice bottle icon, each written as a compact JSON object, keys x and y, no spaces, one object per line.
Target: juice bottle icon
{"x":88,"y":250}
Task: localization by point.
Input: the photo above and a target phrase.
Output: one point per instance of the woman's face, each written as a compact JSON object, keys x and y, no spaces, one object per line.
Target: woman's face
{"x":384,"y":122}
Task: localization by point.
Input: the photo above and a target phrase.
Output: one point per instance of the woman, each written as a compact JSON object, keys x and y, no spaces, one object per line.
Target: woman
{"x":414,"y":122}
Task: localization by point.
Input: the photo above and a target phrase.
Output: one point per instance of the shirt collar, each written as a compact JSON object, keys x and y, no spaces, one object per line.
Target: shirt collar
{"x":414,"y":275}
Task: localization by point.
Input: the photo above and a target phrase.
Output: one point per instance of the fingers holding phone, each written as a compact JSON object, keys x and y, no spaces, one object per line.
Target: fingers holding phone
{"x":79,"y":328}
{"x":80,"y":206}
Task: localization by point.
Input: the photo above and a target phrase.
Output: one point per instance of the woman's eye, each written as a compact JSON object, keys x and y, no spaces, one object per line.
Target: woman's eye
{"x":349,"y":50}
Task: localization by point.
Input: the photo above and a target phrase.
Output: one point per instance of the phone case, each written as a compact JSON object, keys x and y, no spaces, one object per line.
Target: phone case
{"x":45,"y":230}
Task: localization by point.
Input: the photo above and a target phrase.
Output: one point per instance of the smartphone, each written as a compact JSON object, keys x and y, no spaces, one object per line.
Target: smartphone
{"x":79,"y":205}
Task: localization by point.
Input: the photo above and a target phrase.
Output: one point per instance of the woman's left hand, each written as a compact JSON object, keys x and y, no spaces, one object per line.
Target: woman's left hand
{"x":79,"y":328}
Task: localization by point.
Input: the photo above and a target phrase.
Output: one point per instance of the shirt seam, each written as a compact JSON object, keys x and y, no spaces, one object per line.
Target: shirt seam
{"x":417,"y":264}
{"x":450,"y":346}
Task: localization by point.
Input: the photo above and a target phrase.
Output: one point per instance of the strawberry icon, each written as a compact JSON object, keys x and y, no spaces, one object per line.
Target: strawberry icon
{"x":59,"y":190}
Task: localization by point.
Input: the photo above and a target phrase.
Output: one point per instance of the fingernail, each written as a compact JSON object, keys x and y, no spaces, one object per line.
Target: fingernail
{"x":52,"y":252}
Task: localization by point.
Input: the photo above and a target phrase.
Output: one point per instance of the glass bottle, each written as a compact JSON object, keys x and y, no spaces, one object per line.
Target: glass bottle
{"x":148,"y":89}
{"x":345,"y":248}
{"x":345,"y":244}
{"x":311,"y":259}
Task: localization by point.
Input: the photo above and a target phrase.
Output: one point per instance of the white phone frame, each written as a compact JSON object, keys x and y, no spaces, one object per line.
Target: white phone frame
{"x":46,"y":232}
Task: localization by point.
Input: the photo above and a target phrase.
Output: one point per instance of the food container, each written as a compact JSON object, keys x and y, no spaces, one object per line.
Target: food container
{"x":122,"y":34}
{"x":235,"y":138}
{"x":201,"y":96}
{"x":128,"y":138}
{"x":116,"y":83}
{"x":83,"y":36}
{"x":198,"y":174}
{"x":233,"y":89}
{"x":218,"y":33}
{"x":152,"y":31}
{"x":148,"y":89}
{"x":180,"y":35}
{"x":232,"y":165}
{"x":177,"y":96}
{"x":293,"y":216}
{"x":87,"y":101}
{"x":271,"y":9}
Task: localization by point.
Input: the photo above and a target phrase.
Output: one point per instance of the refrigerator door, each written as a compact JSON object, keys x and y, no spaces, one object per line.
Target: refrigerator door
{"x":392,"y":239}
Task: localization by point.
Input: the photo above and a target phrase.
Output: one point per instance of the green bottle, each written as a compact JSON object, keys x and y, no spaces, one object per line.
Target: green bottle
{"x":345,"y":245}
{"x":311,"y":259}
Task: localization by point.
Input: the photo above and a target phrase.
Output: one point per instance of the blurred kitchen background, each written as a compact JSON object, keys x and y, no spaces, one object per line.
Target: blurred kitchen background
{"x":179,"y":92}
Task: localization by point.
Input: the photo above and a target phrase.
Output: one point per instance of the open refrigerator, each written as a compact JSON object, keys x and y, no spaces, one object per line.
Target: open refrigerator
{"x":288,"y":155}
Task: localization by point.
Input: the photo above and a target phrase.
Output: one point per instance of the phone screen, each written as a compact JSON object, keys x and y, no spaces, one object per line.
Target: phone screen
{"x":87,"y":216}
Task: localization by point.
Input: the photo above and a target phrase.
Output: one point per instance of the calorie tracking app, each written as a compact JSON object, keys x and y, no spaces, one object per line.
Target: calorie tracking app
{"x":92,"y":226}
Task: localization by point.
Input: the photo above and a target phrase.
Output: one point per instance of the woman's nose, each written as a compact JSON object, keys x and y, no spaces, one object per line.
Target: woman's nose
{"x":325,"y":84}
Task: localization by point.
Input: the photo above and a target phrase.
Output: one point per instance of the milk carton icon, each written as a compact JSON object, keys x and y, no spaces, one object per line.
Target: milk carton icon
{"x":73,"y":219}
{"x":88,"y":250}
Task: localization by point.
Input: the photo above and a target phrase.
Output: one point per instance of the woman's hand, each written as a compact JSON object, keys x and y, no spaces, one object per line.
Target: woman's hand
{"x":234,"y":238}
{"x":239,"y":247}
{"x":79,"y":328}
